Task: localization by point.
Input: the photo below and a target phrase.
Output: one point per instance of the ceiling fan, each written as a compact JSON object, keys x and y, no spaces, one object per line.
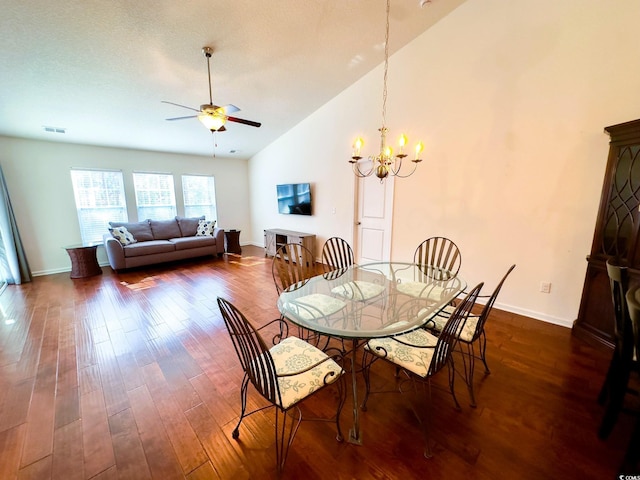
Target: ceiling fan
{"x":212,"y":116}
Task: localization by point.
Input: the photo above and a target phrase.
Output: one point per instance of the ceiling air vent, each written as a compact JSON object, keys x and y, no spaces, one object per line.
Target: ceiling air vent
{"x":54,"y":129}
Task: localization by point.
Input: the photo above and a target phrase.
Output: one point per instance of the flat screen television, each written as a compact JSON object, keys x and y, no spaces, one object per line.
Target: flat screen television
{"x":294,"y":198}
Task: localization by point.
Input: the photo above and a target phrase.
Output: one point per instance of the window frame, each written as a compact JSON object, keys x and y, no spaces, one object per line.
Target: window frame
{"x":92,"y":202}
{"x":154,"y":210}
{"x":208,"y":209}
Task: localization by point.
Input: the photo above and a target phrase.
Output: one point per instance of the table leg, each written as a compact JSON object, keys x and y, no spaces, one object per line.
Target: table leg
{"x":354,"y":433}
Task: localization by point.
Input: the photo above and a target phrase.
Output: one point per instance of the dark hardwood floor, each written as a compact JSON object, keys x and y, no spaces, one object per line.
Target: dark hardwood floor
{"x":133,"y":375}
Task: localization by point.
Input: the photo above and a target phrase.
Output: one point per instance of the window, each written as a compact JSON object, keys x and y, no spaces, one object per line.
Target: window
{"x":100,"y":199}
{"x":155,"y":196}
{"x":199,"y":193}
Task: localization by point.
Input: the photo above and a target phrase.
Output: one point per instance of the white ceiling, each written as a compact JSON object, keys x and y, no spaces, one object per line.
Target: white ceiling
{"x":101,"y":69}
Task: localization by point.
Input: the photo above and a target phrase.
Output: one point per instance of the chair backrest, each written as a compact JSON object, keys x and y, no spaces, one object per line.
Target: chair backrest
{"x":336,"y":254}
{"x":486,"y":310}
{"x":293,"y":264}
{"x":254,"y":355}
{"x":449,"y":335}
{"x":438,"y":257}
{"x":633,"y":305}
{"x":619,"y":282}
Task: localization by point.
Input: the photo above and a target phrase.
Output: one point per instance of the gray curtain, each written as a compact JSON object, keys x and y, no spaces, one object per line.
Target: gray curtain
{"x":14,"y":268}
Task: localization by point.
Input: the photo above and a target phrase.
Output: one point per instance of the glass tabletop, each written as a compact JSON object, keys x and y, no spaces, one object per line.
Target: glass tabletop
{"x":372,"y":300}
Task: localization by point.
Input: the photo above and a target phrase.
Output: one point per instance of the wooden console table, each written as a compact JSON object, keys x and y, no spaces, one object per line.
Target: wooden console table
{"x":274,"y":238}
{"x":84,"y":262}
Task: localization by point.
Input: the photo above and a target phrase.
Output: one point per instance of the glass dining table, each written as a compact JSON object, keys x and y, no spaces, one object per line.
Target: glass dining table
{"x":369,"y":301}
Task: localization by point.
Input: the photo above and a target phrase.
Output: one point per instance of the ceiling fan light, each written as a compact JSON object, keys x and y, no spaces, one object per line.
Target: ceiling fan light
{"x":212,"y":121}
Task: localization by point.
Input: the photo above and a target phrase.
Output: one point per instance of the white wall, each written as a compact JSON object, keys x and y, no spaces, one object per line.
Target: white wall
{"x":511,"y":99}
{"x":39,"y":183}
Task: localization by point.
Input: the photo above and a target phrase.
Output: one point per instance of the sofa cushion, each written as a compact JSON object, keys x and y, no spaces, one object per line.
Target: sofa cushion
{"x":149,"y":248}
{"x":165,"y":229}
{"x":188,"y":226}
{"x":205,"y":227}
{"x":122,"y":235}
{"x":185,"y":243}
{"x":141,"y":231}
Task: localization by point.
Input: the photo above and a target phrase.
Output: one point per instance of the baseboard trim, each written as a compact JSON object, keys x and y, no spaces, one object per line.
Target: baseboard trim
{"x":535,"y":315}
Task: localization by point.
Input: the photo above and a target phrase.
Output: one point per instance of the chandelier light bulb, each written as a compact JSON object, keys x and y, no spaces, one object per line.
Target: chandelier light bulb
{"x":419,"y":148}
{"x":357,"y":146}
{"x":402,"y":141}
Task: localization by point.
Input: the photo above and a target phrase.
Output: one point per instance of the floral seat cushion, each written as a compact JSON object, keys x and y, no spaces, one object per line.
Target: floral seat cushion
{"x":314,"y":306}
{"x":468,"y":328}
{"x":412,"y":358}
{"x":358,"y":290}
{"x":421,"y":290}
{"x":294,"y":355}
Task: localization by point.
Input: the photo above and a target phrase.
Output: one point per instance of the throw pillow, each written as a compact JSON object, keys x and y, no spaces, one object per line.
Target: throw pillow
{"x":205,"y":228}
{"x":165,"y":229}
{"x":141,"y":231}
{"x":188,"y":226}
{"x":123,"y":235}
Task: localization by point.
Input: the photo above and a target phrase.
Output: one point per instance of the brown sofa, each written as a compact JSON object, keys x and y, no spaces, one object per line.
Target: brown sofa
{"x":157,"y":241}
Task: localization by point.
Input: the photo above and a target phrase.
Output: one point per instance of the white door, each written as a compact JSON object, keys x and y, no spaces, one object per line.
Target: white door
{"x":374,"y":216}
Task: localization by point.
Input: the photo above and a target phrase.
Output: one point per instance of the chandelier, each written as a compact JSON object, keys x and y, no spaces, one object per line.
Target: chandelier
{"x":384,"y":163}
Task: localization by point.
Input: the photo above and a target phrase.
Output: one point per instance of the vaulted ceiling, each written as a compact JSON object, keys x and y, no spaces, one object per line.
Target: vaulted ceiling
{"x":99,"y":70}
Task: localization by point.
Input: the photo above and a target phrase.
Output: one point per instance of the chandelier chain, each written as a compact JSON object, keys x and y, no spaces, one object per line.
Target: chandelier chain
{"x":386,"y":69}
{"x":385,"y":163}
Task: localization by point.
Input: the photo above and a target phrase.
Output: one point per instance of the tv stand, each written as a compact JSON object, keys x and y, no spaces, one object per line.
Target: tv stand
{"x":274,"y":238}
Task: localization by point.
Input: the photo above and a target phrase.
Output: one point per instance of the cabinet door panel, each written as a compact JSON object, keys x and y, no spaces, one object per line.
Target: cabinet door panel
{"x":269,"y":243}
{"x":596,"y":308}
{"x":621,"y":218}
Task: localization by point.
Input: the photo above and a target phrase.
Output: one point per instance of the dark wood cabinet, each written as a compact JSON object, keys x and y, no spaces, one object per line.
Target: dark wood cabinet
{"x":616,"y":233}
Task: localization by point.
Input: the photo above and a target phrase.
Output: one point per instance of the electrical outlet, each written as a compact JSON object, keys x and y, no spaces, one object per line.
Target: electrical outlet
{"x":545,"y":287}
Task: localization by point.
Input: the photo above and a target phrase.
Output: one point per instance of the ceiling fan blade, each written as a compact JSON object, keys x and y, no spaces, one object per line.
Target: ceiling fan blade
{"x":181,"y":118}
{"x":183,"y":106}
{"x":224,"y":110}
{"x":229,"y":109}
{"x":244,"y":122}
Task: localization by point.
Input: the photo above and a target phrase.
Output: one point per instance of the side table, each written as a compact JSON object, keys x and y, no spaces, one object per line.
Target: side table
{"x":232,"y":241}
{"x":84,"y":262}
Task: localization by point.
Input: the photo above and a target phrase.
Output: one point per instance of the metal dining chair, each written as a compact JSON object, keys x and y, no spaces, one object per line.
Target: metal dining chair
{"x":419,"y":355}
{"x":632,"y":454}
{"x":279,"y":372}
{"x":473,"y":333}
{"x":337,"y":257}
{"x":336,"y":254}
{"x":439,"y":256}
{"x":623,"y":360}
{"x":293,"y":265}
